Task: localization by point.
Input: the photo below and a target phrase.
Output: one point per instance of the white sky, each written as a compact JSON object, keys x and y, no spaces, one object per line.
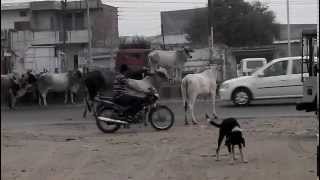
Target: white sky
{"x":137,"y":17}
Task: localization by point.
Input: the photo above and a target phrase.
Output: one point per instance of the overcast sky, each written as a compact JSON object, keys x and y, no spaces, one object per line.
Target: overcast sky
{"x":137,"y":17}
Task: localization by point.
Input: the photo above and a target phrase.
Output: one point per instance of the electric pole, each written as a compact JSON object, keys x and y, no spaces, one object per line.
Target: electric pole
{"x":89,"y":60}
{"x":162,"y":33}
{"x":63,"y":54}
{"x":210,"y":29}
{"x":288,"y":24}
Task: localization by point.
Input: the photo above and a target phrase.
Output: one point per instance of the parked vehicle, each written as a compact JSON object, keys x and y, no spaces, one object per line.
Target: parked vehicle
{"x":110,"y":116}
{"x":310,"y":83}
{"x":249,"y":65}
{"x":136,"y":59}
{"x":280,"y":78}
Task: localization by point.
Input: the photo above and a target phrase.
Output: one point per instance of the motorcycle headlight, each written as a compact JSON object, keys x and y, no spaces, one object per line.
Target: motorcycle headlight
{"x":225,"y":86}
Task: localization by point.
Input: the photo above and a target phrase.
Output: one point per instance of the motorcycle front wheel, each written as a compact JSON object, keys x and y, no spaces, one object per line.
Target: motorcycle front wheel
{"x":106,"y":127}
{"x":161,"y":118}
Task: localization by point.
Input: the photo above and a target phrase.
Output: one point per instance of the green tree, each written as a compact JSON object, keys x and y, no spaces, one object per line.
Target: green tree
{"x":236,"y":23}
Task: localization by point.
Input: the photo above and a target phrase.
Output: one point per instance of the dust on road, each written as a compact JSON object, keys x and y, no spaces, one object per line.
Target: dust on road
{"x":276,"y":148}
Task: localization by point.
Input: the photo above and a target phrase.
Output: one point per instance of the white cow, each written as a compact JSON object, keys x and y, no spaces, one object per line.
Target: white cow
{"x":171,"y":60}
{"x":59,"y":82}
{"x":192,"y":85}
{"x":140,"y":87}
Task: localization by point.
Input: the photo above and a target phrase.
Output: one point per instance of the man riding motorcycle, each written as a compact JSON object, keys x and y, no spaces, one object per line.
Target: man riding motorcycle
{"x":121,"y":93}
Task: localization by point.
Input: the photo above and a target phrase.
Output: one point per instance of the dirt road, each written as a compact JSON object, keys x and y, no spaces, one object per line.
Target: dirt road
{"x":277,"y":149}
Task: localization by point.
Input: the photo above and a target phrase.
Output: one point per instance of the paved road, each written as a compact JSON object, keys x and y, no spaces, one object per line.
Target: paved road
{"x":73,"y":113}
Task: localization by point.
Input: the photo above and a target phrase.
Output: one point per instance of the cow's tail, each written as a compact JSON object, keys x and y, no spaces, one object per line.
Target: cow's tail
{"x":87,"y":105}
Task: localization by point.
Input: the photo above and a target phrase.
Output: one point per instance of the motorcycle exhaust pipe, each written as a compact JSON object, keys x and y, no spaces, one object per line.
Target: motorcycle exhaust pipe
{"x":111,"y":120}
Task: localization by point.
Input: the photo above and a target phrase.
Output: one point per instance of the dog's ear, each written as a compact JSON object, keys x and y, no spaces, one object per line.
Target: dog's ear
{"x":207,"y":116}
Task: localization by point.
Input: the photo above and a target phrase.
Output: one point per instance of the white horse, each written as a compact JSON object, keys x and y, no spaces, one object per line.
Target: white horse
{"x":193,"y":85}
{"x":59,"y":82}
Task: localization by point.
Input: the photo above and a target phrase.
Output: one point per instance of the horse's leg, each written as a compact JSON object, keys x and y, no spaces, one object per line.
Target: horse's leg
{"x":191,"y":107}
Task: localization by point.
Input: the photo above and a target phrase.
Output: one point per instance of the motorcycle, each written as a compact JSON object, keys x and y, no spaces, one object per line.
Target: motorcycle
{"x":111,"y":116}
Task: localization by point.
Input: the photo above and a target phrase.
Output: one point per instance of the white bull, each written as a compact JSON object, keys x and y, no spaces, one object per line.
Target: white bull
{"x":193,"y":85}
{"x":171,"y":60}
{"x":61,"y":82}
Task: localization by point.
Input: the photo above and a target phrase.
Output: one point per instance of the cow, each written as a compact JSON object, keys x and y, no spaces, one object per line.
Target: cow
{"x":13,"y":87}
{"x":150,"y":81}
{"x":173,"y":61}
{"x":99,"y":82}
{"x":193,"y":85}
{"x":59,"y":82}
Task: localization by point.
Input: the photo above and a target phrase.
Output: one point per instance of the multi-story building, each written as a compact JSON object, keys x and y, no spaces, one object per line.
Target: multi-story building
{"x":53,"y":35}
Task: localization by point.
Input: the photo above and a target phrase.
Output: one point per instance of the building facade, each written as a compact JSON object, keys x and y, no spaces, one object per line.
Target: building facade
{"x":53,"y":35}
{"x":174,"y":23}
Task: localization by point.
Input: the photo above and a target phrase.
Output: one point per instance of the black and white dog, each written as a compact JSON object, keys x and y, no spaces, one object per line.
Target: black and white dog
{"x":229,"y":128}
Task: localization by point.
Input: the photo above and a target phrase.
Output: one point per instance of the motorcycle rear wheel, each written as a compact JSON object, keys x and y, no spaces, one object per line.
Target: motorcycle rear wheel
{"x":106,"y":127}
{"x":161,"y":118}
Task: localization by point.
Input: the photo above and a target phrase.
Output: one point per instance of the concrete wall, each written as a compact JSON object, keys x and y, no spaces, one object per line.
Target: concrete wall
{"x":42,"y":20}
{"x":9,"y":17}
{"x":282,"y":50}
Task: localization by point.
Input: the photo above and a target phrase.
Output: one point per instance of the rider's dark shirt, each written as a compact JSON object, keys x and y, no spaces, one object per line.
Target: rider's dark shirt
{"x":120,"y":85}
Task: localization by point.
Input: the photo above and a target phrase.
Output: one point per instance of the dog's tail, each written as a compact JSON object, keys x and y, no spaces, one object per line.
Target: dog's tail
{"x":212,"y":122}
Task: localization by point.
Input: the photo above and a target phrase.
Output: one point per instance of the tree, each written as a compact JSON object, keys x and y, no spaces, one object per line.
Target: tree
{"x":236,"y":23}
{"x":135,"y":42}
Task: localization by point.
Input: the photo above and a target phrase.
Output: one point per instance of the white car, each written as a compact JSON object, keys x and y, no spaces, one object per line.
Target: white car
{"x":280,"y":78}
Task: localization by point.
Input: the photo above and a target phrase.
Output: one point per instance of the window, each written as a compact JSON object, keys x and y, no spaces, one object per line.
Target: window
{"x":23,"y":13}
{"x":79,"y":21}
{"x":296,"y":67}
{"x":254,"y":64}
{"x":68,"y":22}
{"x":276,"y":69}
{"x":22,"y":25}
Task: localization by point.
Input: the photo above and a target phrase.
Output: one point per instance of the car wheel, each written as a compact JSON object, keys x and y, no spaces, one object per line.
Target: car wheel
{"x":241,"y":97}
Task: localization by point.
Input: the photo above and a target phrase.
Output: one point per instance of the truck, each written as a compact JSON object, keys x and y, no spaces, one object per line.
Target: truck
{"x":310,"y":61}
{"x":310,"y":78}
{"x":248,"y":65}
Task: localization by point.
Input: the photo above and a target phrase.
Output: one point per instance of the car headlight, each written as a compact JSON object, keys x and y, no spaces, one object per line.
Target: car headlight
{"x":224,"y":86}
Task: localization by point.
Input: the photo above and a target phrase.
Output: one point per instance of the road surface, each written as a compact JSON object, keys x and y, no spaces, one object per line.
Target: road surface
{"x":56,"y":143}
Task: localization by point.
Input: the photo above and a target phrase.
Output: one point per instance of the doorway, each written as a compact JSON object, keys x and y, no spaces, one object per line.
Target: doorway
{"x":75,"y":62}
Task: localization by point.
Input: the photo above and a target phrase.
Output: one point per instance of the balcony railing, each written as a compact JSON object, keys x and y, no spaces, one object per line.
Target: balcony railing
{"x":51,"y":37}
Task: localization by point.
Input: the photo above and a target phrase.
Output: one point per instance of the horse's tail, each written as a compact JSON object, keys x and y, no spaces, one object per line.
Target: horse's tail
{"x":184,"y":92}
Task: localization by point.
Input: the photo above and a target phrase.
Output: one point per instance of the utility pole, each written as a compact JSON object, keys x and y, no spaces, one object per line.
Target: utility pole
{"x":288,"y":24}
{"x":63,"y":55}
{"x":163,"y":43}
{"x":210,"y":27}
{"x":89,"y":60}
